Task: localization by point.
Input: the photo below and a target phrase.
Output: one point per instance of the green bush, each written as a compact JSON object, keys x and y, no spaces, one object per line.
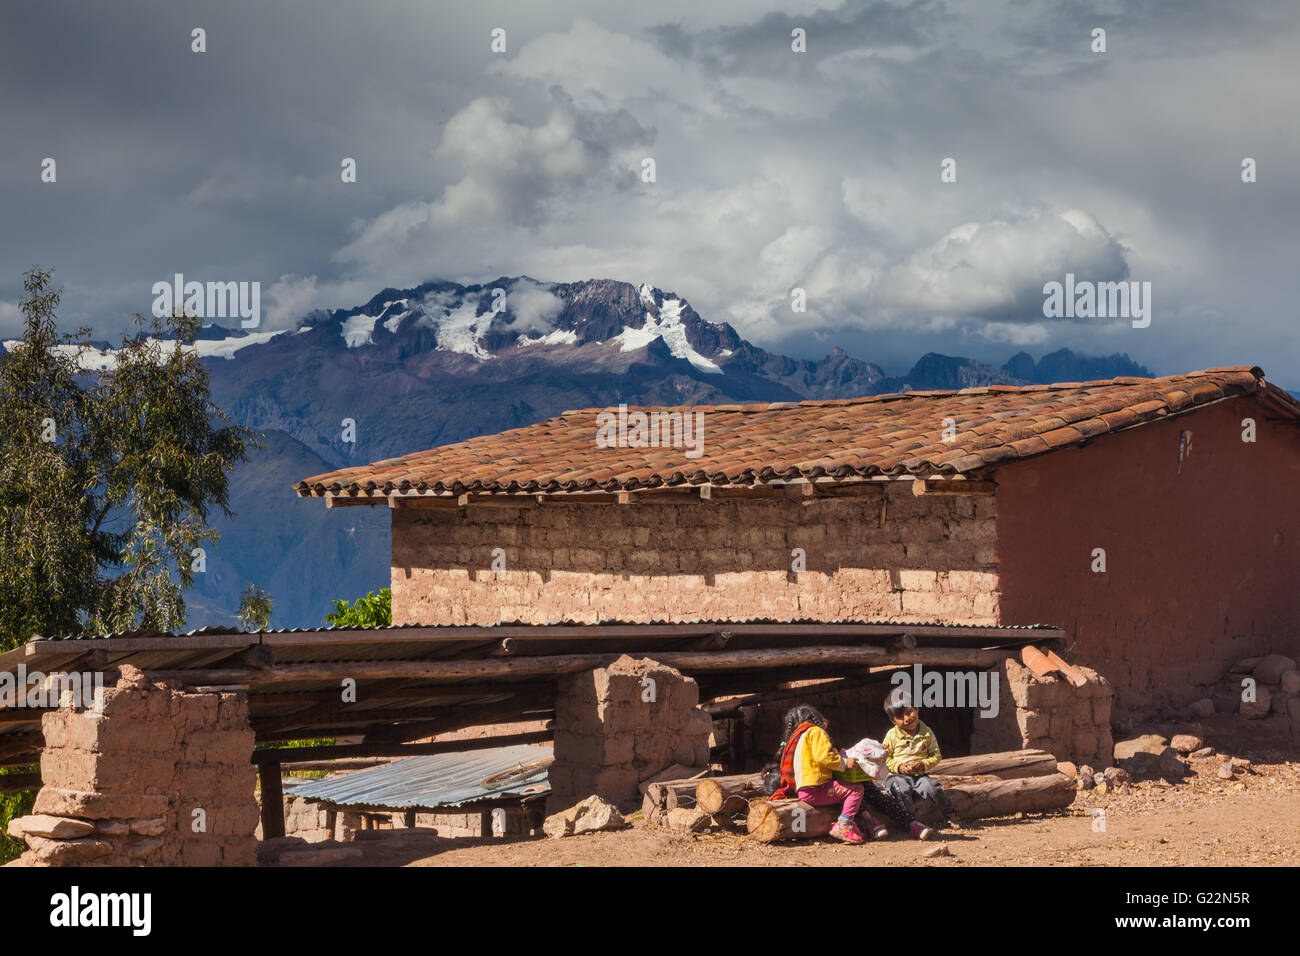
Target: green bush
{"x":14,"y":805}
{"x":373,"y":610}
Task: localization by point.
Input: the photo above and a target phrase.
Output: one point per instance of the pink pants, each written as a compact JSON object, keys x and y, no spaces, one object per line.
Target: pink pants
{"x":832,"y":792}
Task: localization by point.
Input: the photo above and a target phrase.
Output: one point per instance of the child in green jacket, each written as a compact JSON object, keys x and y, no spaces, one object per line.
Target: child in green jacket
{"x":911,"y":753}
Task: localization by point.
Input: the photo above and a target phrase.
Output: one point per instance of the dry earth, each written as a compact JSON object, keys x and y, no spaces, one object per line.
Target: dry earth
{"x":1203,"y":821}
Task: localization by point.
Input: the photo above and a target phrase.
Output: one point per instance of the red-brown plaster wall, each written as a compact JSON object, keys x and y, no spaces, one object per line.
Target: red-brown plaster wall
{"x":1201,"y":560}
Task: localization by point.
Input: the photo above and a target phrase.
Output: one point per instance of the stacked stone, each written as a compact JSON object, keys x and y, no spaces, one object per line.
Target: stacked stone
{"x":609,"y":736}
{"x":1276,"y":692}
{"x":121,"y":787}
{"x":1071,"y":723}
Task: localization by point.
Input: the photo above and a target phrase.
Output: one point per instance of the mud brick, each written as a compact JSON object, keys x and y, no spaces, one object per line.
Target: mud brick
{"x":98,"y":806}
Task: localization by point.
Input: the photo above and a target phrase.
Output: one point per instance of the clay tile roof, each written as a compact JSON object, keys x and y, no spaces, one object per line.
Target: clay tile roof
{"x":888,"y":435}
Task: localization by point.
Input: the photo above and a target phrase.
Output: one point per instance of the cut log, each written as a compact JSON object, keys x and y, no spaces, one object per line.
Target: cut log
{"x":1008,"y":765}
{"x":651,"y":812}
{"x":672,"y":794}
{"x":728,"y":794}
{"x":679,"y":794}
{"x":999,"y":798}
{"x":774,"y":821}
{"x":675,"y":772}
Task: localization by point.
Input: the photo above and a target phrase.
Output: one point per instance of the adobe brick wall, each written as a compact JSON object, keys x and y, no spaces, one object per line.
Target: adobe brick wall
{"x":609,"y":737}
{"x":1071,"y":723}
{"x":902,"y":557}
{"x":1201,"y":555}
{"x":124,"y":784}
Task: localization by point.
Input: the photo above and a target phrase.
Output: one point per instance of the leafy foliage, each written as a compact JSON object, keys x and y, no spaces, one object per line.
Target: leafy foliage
{"x":373,"y":610}
{"x":14,"y":805}
{"x":106,"y":478}
{"x":254,"y":608}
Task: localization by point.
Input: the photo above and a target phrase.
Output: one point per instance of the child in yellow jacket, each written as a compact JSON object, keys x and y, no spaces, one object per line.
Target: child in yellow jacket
{"x":808,"y":760}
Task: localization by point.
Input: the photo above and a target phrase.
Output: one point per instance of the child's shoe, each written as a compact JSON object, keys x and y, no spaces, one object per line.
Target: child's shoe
{"x":869,"y":822}
{"x":847,"y":831}
{"x":920,"y":830}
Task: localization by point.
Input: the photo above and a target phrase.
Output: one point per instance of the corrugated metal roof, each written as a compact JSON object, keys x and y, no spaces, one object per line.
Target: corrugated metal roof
{"x":441,"y":781}
{"x":533,"y":625}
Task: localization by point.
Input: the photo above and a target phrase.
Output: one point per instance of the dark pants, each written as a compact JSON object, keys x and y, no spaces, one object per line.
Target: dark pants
{"x":905,"y":786}
{"x":887,"y":806}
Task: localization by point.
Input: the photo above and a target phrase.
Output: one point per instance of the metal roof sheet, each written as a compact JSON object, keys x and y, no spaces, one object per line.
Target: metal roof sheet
{"x":441,"y":781}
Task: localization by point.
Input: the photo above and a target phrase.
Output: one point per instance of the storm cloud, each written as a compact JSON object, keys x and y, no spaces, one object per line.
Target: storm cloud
{"x":774,"y":169}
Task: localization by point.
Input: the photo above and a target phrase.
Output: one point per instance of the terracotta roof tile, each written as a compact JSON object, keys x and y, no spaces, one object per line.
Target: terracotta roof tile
{"x":882,"y":435}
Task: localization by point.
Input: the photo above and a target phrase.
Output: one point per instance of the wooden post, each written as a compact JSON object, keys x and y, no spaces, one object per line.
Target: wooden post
{"x":268,"y":775}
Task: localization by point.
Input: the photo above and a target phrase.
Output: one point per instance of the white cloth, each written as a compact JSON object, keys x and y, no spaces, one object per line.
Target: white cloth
{"x":870,"y":755}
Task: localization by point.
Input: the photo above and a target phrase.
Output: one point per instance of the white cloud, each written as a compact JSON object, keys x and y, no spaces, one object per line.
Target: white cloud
{"x":533,"y":305}
{"x":983,"y":269}
{"x":289,"y":298}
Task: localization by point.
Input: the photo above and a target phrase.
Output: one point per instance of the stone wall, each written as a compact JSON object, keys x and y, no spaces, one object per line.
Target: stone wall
{"x":622,"y":724}
{"x":1072,"y":723}
{"x":892,"y":557}
{"x":121,"y":787}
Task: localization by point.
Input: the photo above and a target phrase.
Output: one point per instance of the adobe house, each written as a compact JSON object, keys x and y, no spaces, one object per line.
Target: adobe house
{"x":1155,"y":520}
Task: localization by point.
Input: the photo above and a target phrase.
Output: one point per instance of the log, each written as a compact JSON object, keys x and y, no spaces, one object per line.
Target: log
{"x":675,"y":772}
{"x":774,"y":821}
{"x":690,"y":662}
{"x":679,"y":794}
{"x":1008,"y":765}
{"x":672,"y":794}
{"x":651,"y":812}
{"x":999,"y":798}
{"x":729,"y":794}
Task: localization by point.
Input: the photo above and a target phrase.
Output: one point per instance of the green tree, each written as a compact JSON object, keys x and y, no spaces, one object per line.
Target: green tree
{"x":107,"y":475}
{"x":373,"y":610}
{"x":254,"y":608}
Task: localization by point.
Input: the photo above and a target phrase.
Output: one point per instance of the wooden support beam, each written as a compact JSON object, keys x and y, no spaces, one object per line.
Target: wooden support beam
{"x":815,"y":491}
{"x":335,"y":500}
{"x":432,"y":693}
{"x":944,"y":486}
{"x":19,"y":782}
{"x":268,"y":774}
{"x":678,"y":495}
{"x":425,"y":502}
{"x":452,"y":671}
{"x":403,"y":750}
{"x":498,"y":500}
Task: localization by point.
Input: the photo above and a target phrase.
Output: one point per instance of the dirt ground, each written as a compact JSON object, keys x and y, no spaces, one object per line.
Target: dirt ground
{"x":1253,"y":820}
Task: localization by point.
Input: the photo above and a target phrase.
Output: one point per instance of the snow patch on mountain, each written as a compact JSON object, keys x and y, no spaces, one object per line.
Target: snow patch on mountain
{"x":667,"y":325}
{"x":460,"y":330}
{"x":391,"y":324}
{"x":359,"y":330}
{"x":558,"y":337}
{"x":101,"y":360}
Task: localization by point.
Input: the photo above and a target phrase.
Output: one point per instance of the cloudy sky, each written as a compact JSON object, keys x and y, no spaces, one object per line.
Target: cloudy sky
{"x":774,"y":169}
